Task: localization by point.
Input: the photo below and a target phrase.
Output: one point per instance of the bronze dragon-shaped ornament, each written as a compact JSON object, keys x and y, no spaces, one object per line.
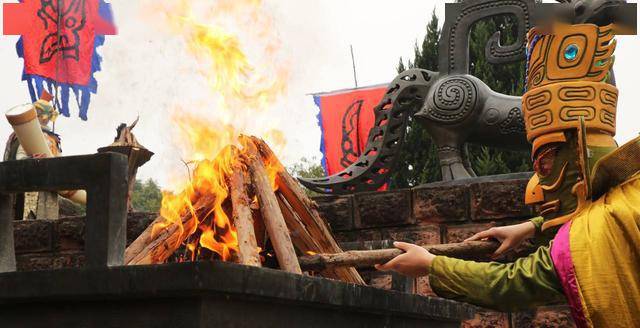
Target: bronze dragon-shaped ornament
{"x":455,"y":107}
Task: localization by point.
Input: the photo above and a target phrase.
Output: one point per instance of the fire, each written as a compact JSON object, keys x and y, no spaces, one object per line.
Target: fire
{"x":212,"y":30}
{"x":245,"y":87}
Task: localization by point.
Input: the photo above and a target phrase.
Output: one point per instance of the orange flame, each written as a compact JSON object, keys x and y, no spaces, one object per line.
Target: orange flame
{"x":217,"y":232}
{"x":245,"y":86}
{"x":212,"y":36}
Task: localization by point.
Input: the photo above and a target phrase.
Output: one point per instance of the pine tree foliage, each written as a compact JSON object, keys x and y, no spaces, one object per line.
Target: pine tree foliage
{"x":418,"y":162}
{"x":307,"y":168}
{"x":146,"y":196}
{"x":418,"y":159}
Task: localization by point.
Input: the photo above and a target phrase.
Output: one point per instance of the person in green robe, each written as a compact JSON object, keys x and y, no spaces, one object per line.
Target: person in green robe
{"x":586,"y":190}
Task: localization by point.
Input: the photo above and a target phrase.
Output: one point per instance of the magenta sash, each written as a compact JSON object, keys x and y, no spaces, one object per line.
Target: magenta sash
{"x":563,"y":263}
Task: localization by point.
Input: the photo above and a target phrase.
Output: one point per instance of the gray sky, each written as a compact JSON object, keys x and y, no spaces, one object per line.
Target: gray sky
{"x":147,"y":71}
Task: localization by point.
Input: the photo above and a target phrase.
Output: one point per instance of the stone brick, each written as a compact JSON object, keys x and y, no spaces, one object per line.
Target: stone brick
{"x":423,"y":288}
{"x":70,"y":233}
{"x":32,"y":236}
{"x":34,"y":262}
{"x":551,"y":317}
{"x":358,"y":235}
{"x":421,"y":235}
{"x":380,"y":209}
{"x":441,"y":203}
{"x":68,"y":260}
{"x":496,"y":200}
{"x":49,"y":261}
{"x":487,"y":319}
{"x":456,"y":234}
{"x":337,"y":210}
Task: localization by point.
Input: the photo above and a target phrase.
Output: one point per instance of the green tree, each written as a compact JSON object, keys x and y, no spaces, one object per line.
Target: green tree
{"x":307,"y":168}
{"x":418,"y":162}
{"x":418,"y":159}
{"x":146,"y":196}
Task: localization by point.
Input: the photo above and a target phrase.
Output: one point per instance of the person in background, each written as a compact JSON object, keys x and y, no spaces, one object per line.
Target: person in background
{"x":43,"y":204}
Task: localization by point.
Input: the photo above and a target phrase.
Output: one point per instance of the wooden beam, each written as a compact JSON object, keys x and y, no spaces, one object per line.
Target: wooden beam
{"x":243,"y":218}
{"x":145,"y":250}
{"x":270,"y":210}
{"x":471,"y":249}
{"x":307,"y":212}
{"x":300,"y":236}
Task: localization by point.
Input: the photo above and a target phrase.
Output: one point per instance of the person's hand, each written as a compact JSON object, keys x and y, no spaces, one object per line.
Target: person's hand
{"x":39,"y":156}
{"x":414,"y":262}
{"x":510,"y":237}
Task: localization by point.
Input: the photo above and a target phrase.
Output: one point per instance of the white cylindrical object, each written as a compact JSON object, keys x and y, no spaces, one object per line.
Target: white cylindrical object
{"x":24,"y":120}
{"x":76,"y":196}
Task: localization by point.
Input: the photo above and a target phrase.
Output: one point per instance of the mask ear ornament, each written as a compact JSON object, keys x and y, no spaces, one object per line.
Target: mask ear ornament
{"x":582,"y":188}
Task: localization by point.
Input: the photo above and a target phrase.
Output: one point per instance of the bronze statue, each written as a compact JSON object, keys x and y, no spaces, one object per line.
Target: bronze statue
{"x":455,"y":107}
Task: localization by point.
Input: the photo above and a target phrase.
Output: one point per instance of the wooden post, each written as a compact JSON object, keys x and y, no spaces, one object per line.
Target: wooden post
{"x":144,"y":250}
{"x":470,"y":249}
{"x":301,"y":237}
{"x":273,"y":219}
{"x":243,"y":218}
{"x":305,"y":208}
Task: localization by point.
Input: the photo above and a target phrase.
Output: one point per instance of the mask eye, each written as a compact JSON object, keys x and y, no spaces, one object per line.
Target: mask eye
{"x":543,"y":163}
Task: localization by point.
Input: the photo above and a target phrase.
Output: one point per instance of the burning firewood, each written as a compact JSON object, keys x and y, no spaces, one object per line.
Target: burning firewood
{"x":306,"y":209}
{"x":470,"y":249}
{"x":161,"y":239}
{"x":197,"y":220}
{"x":273,"y":219}
{"x":243,"y":219}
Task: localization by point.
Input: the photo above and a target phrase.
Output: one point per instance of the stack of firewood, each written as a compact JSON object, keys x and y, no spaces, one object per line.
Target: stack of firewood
{"x":290,"y":219}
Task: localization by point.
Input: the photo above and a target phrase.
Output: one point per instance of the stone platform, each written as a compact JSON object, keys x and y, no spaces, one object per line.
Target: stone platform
{"x":429,"y":214}
{"x":208,"y":294}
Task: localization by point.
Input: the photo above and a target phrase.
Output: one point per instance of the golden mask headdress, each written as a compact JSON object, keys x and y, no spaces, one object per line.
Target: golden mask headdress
{"x":568,"y":70}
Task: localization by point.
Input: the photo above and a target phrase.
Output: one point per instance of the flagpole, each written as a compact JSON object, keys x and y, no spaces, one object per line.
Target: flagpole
{"x":353,"y":62}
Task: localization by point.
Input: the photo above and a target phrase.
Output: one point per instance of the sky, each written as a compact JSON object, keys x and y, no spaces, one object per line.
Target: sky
{"x":148,"y":72}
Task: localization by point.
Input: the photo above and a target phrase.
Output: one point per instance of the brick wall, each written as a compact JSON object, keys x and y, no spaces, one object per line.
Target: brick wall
{"x":47,"y":244}
{"x":431,"y":214}
{"x":440,"y":213}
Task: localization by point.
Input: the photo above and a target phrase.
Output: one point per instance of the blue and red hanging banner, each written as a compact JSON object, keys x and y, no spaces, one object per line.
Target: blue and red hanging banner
{"x":345,"y":118}
{"x":58,"y":44}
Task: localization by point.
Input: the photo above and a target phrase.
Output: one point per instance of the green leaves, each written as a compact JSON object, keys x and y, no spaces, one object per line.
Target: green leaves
{"x":146,"y":196}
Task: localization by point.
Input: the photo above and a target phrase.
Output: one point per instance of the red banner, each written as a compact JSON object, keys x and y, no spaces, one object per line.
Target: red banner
{"x":345,"y":118}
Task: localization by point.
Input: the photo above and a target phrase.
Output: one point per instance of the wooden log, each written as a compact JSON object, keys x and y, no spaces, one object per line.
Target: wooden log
{"x":300,"y":235}
{"x":243,"y":218}
{"x":471,"y":249}
{"x":145,"y":250}
{"x":141,"y":242}
{"x":271,"y":215}
{"x":306,"y":210}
